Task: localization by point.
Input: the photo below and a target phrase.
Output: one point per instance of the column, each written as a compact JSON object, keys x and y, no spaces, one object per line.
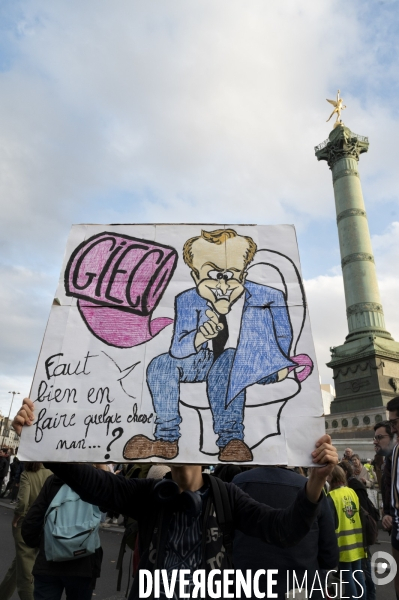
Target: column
{"x":363,"y":304}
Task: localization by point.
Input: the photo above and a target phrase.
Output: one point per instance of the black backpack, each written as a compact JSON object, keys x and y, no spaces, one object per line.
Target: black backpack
{"x":369,"y":527}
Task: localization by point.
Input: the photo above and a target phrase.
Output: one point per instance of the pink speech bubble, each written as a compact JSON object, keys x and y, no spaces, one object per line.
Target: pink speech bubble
{"x":119,"y":281}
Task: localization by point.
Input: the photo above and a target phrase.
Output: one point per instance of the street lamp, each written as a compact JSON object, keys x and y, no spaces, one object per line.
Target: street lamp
{"x":9,"y":415}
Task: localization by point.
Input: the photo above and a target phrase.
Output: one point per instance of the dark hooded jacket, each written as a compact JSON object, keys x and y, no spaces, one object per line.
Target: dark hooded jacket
{"x":137,"y":498}
{"x":4,"y":466}
{"x":318,"y":550}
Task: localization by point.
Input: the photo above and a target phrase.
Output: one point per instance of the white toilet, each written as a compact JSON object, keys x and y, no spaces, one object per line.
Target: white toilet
{"x":264,"y":403}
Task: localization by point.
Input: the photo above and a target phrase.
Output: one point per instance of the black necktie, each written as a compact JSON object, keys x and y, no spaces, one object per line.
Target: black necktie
{"x":219,"y":342}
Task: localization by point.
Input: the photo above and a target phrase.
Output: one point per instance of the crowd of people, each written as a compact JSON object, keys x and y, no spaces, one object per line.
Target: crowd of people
{"x":314,"y":527}
{"x":14,"y":470}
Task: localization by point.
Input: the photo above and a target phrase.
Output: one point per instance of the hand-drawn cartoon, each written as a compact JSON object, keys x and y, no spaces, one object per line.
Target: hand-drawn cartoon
{"x":219,"y":261}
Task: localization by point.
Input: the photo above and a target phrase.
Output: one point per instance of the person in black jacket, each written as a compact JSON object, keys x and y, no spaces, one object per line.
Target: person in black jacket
{"x":178,"y":528}
{"x":4,"y":466}
{"x":77,"y":577}
{"x":317,"y":551}
{"x":16,"y":469}
{"x":383,"y":445}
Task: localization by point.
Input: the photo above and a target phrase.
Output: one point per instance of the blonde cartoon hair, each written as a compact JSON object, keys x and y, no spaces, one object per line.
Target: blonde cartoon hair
{"x":218,"y":237}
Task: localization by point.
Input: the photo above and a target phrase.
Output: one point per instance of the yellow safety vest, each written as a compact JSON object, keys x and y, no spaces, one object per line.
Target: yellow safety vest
{"x":370,"y":470}
{"x":349,"y":531}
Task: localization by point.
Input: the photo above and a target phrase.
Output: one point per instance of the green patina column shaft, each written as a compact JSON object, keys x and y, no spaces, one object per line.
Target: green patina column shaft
{"x":366,"y":366}
{"x":363,"y":304}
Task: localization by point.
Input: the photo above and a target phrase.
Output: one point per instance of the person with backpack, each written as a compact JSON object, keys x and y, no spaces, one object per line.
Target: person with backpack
{"x":65,"y":530}
{"x":187,"y":520}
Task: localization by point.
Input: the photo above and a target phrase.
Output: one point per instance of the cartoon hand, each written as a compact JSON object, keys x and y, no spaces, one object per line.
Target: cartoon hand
{"x":209,"y":330}
{"x":282,"y":374}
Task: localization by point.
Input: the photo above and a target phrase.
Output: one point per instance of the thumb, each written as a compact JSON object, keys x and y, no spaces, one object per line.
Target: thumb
{"x":214,"y":318}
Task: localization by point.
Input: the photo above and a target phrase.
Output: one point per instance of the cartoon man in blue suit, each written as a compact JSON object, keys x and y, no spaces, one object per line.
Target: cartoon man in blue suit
{"x":203,"y":348}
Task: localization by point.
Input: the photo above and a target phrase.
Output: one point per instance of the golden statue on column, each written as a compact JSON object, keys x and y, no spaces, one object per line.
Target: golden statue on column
{"x":339,"y":106}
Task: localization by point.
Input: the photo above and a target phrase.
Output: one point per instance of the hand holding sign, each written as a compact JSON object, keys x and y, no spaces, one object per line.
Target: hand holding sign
{"x":25,"y":416}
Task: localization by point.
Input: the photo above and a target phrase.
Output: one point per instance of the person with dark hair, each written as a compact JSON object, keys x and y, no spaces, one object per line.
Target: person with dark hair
{"x":393,"y":410}
{"x":19,"y":575}
{"x":228,"y":472}
{"x":318,"y":550}
{"x":393,"y":407}
{"x":386,"y":432}
{"x":383,"y":445}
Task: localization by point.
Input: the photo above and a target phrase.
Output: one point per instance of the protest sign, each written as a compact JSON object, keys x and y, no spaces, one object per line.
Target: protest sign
{"x":185,"y":343}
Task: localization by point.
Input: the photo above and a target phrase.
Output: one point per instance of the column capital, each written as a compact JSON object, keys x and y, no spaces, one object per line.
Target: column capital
{"x":341,"y":143}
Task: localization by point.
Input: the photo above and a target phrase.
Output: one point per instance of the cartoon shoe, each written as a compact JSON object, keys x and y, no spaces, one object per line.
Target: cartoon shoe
{"x":235,"y":451}
{"x":140,"y":446}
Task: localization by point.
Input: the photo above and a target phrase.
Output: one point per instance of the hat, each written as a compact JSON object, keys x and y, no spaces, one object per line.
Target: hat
{"x":158,"y":472}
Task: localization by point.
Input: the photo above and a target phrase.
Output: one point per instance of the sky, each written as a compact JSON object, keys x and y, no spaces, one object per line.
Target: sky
{"x":188,"y":111}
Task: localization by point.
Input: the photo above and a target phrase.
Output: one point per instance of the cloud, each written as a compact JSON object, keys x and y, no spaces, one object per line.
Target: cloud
{"x":142,"y":111}
{"x":188,"y":107}
{"x":386,"y":251}
{"x":325,"y":295}
{"x":24,"y":306}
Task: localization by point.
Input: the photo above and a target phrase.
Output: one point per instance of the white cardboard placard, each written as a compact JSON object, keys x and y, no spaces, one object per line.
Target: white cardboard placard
{"x":157,"y":345}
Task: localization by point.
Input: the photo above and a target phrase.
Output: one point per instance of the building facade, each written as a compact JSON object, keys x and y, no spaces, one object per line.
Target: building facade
{"x":8,"y":437}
